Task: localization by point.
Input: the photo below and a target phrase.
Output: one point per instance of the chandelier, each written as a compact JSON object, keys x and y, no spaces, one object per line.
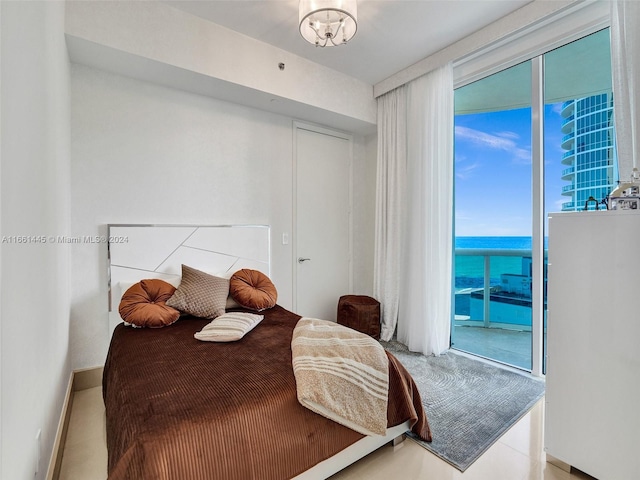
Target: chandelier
{"x":328,"y":23}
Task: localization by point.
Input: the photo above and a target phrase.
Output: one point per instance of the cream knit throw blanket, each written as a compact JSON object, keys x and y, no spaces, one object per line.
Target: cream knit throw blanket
{"x":341,"y":374}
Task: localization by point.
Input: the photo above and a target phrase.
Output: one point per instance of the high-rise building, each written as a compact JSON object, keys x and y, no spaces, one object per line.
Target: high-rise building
{"x":589,"y":141}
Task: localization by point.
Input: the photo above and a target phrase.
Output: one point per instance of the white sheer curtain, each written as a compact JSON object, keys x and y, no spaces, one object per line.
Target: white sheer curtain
{"x":424,"y":318}
{"x":625,"y":66}
{"x":420,"y":194}
{"x":391,"y":179}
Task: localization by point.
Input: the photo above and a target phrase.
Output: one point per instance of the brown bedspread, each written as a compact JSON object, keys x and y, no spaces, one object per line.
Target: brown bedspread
{"x":182,"y":409}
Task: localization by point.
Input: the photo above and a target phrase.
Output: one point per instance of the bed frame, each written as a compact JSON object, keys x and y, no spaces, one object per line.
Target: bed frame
{"x":354,"y":452}
{"x":136,"y":252}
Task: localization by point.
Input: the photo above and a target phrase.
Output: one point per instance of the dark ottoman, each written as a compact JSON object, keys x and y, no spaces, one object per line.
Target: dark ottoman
{"x":361,"y":313}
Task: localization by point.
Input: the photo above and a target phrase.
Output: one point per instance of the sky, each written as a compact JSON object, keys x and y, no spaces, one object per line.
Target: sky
{"x":493,"y":149}
{"x":493,"y":171}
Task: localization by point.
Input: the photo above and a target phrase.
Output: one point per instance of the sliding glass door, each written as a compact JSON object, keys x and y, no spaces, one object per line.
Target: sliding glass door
{"x":532,"y":139}
{"x":493,"y":223}
{"x":581,"y":167}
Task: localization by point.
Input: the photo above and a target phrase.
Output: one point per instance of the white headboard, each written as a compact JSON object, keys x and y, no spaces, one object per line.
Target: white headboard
{"x":137,"y":252}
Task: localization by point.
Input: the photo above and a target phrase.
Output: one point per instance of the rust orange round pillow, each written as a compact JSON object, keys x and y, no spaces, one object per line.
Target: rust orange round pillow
{"x":143,"y":304}
{"x":253,"y":289}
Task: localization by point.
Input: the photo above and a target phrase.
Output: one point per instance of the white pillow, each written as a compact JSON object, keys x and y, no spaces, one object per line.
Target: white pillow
{"x":229,"y":327}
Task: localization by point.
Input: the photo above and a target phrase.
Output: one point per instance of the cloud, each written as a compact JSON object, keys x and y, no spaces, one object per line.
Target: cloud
{"x":504,"y":141}
{"x":557,"y":108}
{"x":466,"y":172}
{"x":482,"y":138}
{"x":463,"y":215}
{"x":512,"y":135}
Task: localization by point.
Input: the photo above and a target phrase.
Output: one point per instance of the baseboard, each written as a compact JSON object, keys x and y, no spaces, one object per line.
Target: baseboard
{"x":87,"y":378}
{"x":78,"y":380}
{"x":53,"y":472}
{"x":558,"y":463}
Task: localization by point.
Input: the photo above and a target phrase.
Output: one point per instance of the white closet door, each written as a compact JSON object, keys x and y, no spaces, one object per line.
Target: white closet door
{"x":322,"y":253}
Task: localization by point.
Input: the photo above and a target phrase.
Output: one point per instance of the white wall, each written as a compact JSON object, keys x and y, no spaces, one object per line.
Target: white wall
{"x":144,"y":153}
{"x":155,"y":42}
{"x":34,"y":163}
{"x":364,"y":209}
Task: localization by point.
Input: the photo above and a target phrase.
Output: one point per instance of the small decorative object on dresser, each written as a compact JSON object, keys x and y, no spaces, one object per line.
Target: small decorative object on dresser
{"x":361,"y":313}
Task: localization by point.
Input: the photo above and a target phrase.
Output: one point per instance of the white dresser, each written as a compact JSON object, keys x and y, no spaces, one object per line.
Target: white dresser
{"x":593,"y":362}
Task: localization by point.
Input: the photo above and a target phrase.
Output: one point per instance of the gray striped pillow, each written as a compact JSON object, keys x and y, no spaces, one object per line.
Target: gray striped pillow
{"x":229,"y":327}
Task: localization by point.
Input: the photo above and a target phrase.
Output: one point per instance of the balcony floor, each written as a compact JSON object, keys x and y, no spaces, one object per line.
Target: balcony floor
{"x":512,"y":347}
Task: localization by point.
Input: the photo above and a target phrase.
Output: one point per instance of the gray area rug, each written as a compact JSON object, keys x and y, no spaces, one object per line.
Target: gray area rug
{"x":469,"y":403}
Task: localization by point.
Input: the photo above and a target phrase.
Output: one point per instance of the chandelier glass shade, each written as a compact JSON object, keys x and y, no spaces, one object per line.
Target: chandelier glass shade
{"x":328,"y":23}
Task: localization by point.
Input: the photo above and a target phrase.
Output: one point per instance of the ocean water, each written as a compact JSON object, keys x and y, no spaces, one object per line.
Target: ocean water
{"x":469,"y":270}
{"x":503,"y":243}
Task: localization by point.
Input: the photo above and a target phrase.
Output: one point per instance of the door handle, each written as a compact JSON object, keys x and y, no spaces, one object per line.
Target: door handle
{"x":301,"y":260}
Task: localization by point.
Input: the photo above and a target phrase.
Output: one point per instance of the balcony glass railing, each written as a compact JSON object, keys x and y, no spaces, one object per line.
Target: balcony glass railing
{"x":493,"y":286}
{"x":493,"y":295}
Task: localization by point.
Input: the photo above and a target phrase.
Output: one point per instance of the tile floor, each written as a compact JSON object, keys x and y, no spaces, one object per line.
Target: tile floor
{"x":518,"y":455}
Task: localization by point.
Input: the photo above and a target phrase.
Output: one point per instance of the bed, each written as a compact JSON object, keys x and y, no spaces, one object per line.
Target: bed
{"x":179,"y":408}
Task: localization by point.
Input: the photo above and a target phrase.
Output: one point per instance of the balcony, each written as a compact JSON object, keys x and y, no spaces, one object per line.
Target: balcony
{"x":568,"y":108}
{"x":567,"y":173}
{"x":568,"y":123}
{"x":568,"y":157}
{"x":568,"y":189}
{"x":493,"y":305}
{"x":567,"y":141}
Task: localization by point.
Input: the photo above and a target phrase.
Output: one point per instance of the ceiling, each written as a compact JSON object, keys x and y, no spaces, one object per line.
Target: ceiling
{"x":392,"y":34}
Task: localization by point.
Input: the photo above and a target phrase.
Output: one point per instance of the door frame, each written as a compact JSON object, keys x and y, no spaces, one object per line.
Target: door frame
{"x":296,"y":127}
